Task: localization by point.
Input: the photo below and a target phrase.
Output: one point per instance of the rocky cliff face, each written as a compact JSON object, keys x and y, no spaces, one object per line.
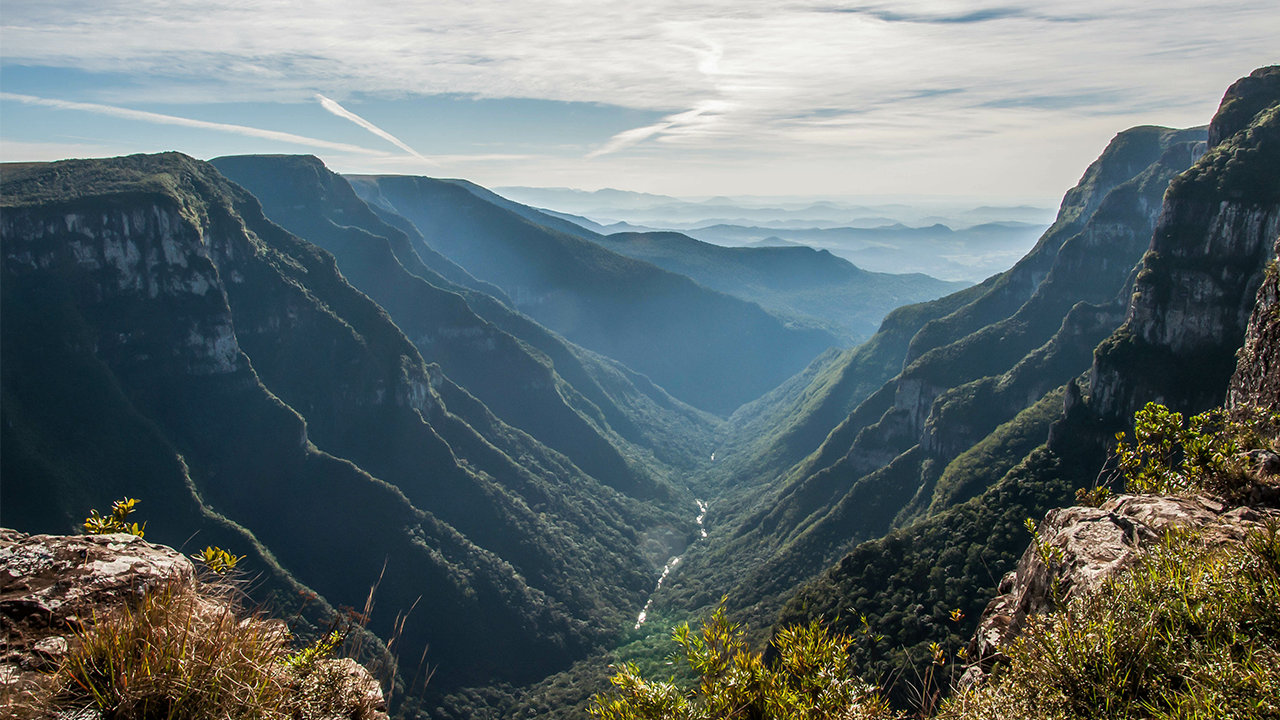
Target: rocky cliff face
{"x":131,"y":256}
{"x":1211,"y":265}
{"x":1195,"y":290}
{"x":1256,"y":382}
{"x":1129,"y":154}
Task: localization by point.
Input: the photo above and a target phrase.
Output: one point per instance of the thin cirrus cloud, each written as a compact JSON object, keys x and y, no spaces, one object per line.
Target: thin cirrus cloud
{"x":850,"y":84}
{"x":333,"y":107}
{"x":161,"y":119}
{"x":692,"y":122}
{"x":770,"y":58}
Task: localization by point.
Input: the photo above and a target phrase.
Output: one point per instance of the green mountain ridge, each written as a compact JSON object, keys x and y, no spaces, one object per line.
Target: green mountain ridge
{"x":805,"y":285}
{"x":708,"y":349}
{"x":512,"y":378}
{"x":796,"y":280}
{"x":275,"y":387}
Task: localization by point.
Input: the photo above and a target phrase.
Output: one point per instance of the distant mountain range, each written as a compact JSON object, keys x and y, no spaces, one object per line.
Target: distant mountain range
{"x":669,"y":213}
{"x":796,"y":280}
{"x":709,"y":349}
{"x":879,"y":244}
{"x":803,"y":286}
{"x":971,"y":254}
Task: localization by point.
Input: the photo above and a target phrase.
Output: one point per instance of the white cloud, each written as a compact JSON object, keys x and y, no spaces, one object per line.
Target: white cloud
{"x":160,"y":119}
{"x":697,"y":121}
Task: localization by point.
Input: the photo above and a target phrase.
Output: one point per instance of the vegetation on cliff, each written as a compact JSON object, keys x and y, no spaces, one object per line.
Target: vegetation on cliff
{"x":1193,"y":630}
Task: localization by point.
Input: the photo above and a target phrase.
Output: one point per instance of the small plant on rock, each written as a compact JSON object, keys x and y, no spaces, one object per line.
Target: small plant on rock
{"x":116,"y":522}
{"x":217,"y":560}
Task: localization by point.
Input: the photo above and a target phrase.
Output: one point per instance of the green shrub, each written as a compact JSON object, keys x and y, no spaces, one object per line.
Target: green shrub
{"x":116,"y":522}
{"x":1168,"y":457}
{"x":810,"y":679}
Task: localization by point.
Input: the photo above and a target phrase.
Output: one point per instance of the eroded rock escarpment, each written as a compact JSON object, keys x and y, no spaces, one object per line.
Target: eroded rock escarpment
{"x":1208,"y":285}
{"x":1196,"y":286}
{"x":54,"y":588}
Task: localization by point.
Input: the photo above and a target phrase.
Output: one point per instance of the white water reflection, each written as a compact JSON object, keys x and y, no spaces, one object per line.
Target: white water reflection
{"x":671,"y":564}
{"x":665,"y":571}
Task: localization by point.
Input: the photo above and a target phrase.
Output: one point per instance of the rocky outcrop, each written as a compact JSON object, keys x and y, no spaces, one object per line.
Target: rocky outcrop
{"x":55,"y":588}
{"x":50,"y":585}
{"x":1086,"y":546}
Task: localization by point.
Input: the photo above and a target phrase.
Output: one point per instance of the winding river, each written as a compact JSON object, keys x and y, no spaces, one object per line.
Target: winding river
{"x":671,"y":564}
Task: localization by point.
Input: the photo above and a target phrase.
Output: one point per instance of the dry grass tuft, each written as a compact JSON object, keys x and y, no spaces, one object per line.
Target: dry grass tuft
{"x":189,"y":651}
{"x":179,"y":652}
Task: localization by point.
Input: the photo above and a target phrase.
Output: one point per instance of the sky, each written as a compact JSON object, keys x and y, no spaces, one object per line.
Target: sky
{"x":1001,"y":100}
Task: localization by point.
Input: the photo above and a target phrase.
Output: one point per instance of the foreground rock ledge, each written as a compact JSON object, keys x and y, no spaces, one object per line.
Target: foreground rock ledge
{"x":51,"y":584}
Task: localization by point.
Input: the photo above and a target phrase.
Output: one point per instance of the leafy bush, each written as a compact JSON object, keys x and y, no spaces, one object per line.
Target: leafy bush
{"x":1205,"y":454}
{"x":811,"y":679}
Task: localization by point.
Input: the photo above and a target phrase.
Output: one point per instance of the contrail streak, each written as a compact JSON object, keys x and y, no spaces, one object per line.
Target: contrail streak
{"x":187,"y":122}
{"x":333,"y":107}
